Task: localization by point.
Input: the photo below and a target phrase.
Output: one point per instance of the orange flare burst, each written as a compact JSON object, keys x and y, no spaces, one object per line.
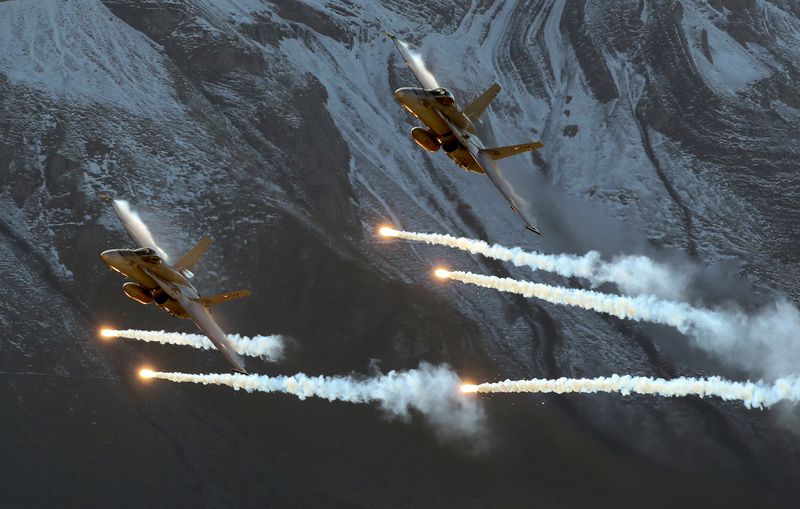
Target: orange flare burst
{"x":469,"y":389}
{"x":147,"y":373}
{"x":387,"y":231}
{"x":441,"y":273}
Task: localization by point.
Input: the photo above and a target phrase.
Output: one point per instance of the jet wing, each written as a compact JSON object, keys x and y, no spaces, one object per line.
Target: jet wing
{"x":204,"y":321}
{"x":136,"y":228}
{"x":414,"y":62}
{"x":518,"y":203}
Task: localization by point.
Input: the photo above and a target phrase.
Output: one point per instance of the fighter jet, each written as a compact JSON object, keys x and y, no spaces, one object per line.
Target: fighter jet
{"x":155,"y":280}
{"x":453,"y":130}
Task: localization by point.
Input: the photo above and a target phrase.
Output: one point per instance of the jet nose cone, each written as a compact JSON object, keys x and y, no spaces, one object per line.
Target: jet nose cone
{"x":403,"y":95}
{"x":110,"y":258}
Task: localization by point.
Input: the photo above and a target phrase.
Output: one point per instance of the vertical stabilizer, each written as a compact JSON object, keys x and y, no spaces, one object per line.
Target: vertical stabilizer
{"x":477,"y":107}
{"x":189,"y":260}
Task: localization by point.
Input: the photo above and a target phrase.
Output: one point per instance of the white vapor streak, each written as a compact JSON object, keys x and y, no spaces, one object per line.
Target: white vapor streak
{"x":639,"y":308}
{"x":766,"y":341}
{"x":431,"y":390}
{"x":752,"y":394}
{"x":269,"y":348}
{"x":136,"y":228}
{"x":417,"y":64}
{"x":634,"y":274}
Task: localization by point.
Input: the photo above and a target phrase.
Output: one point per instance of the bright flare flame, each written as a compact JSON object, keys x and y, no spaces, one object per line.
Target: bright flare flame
{"x":146,"y":373}
{"x":387,"y":231}
{"x":469,"y":389}
{"x":441,"y":273}
{"x":108,"y":333}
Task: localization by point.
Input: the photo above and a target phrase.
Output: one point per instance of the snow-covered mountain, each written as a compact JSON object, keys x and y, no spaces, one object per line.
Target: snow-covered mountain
{"x":668,"y":128}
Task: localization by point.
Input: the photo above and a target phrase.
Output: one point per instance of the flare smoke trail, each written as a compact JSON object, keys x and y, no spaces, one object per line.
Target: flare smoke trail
{"x":431,"y":390}
{"x":752,"y":394}
{"x":269,"y":348}
{"x":765,"y":342}
{"x":640,"y":308}
{"x":633,"y":274}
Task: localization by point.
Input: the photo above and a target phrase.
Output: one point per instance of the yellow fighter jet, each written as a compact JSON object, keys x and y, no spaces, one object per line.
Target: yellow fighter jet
{"x":155,"y":280}
{"x":453,"y":130}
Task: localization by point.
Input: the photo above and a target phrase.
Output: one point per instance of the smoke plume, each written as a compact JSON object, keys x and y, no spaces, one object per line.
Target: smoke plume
{"x":752,"y":394}
{"x":765,"y":341}
{"x":269,"y":348}
{"x":633,"y":274}
{"x":433,"y":391}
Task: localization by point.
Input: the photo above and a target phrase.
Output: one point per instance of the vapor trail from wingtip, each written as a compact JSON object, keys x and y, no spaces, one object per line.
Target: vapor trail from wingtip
{"x":269,"y":348}
{"x":634,"y":274}
{"x":430,"y":390}
{"x":417,"y":64}
{"x":136,"y":227}
{"x":751,"y":394}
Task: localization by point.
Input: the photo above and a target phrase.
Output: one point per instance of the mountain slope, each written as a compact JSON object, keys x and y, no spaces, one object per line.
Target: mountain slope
{"x":668,"y":129}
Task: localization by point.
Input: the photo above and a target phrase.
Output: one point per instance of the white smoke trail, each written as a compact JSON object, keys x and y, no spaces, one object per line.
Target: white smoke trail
{"x":752,"y":394}
{"x":640,"y":308}
{"x":767,"y":341}
{"x":633,"y":274}
{"x":269,"y":348}
{"x":433,"y":391}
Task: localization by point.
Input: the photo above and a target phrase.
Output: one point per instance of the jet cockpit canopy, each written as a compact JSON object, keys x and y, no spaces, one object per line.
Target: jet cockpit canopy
{"x":443,"y":97}
{"x":147,"y":254}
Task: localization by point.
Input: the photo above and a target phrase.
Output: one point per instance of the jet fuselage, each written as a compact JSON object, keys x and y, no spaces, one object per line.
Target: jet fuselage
{"x":132,"y":263}
{"x":438,"y":111}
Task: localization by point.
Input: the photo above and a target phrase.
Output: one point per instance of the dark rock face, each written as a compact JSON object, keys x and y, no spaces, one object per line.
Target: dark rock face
{"x":272,"y":127}
{"x":591,"y":60}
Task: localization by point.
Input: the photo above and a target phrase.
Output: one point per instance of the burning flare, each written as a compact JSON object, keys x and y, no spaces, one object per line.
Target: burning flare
{"x":752,"y":394}
{"x":269,"y":348}
{"x":387,"y":231}
{"x":469,"y":388}
{"x":442,"y":273}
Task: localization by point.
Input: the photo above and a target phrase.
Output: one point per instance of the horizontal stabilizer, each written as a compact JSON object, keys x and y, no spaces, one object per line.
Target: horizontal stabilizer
{"x":511,"y":150}
{"x":189,"y":260}
{"x":477,"y":107}
{"x":223,"y":297}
